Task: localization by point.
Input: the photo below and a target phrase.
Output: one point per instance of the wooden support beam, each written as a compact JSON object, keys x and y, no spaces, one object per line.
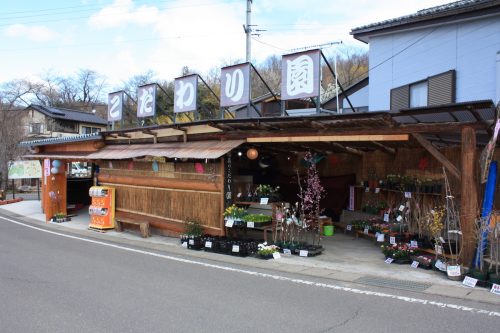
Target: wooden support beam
{"x":152,"y":133}
{"x":437,"y":155}
{"x":332,"y":138}
{"x":468,"y":198}
{"x":384,"y":148}
{"x":347,"y":149}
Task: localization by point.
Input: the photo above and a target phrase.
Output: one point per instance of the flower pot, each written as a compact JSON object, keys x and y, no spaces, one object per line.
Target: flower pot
{"x":328,"y":230}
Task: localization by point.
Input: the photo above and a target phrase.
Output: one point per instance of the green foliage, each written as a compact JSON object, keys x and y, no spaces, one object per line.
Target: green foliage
{"x":193,"y":228}
{"x":257,"y":218}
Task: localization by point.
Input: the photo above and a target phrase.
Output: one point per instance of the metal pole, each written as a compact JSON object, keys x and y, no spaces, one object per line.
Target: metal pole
{"x":248,"y":30}
{"x":38,"y":188}
{"x":13,"y":190}
{"x":336,"y":80}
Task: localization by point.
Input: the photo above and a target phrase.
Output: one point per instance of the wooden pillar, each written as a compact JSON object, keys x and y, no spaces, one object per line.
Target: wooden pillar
{"x":468,"y":191}
{"x":222,"y":196}
{"x":55,"y":192}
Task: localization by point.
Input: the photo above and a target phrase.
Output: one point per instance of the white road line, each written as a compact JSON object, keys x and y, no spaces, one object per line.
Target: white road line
{"x":271,"y":276}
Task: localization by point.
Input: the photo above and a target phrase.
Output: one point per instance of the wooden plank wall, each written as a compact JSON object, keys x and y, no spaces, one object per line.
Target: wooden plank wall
{"x":176,"y":193}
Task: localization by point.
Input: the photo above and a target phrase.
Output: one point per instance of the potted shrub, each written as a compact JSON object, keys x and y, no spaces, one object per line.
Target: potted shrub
{"x":193,"y":232}
{"x":235,"y":213}
{"x":400,"y":252}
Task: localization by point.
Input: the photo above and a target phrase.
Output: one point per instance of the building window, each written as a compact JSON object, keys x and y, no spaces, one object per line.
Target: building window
{"x":90,"y":130}
{"x":36,"y":128}
{"x":418,"y":94}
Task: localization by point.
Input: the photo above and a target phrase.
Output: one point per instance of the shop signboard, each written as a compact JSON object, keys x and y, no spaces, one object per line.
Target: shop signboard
{"x":26,"y":169}
{"x":185,"y":93}
{"x":146,"y":101}
{"x":115,"y":106}
{"x":300,"y":73}
{"x":235,"y":85}
{"x":228,"y":180}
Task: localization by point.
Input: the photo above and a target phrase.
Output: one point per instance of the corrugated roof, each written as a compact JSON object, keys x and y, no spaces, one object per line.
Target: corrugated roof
{"x":195,"y":149}
{"x":69,"y":114}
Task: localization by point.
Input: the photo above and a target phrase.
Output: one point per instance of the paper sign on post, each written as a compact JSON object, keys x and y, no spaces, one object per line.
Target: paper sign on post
{"x":453,"y":271}
{"x":208,"y":244}
{"x":287,"y":251}
{"x":401,"y":208}
{"x":414,"y":264}
{"x":250,"y":225}
{"x":381,"y":238}
{"x":438,"y":249}
{"x":229,"y":223}
{"x":348,"y":227}
{"x":408,"y":195}
{"x":386,"y":217}
{"x":377,"y":190}
{"x":264,"y":201}
{"x":303,"y":253}
{"x":236,"y":248}
{"x":392,"y":240}
{"x":399,"y":218}
{"x":367,"y":189}
{"x":184,"y":244}
{"x":441,"y":239}
{"x":413,"y":243}
{"x":495,"y":289}
{"x":191,"y":242}
{"x":469,"y":282}
{"x":365,"y":231}
{"x":276,"y":255}
{"x":389,"y":260}
{"x":440,"y":265}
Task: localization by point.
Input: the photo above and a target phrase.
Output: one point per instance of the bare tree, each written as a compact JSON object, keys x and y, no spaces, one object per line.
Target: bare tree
{"x":13,"y":95}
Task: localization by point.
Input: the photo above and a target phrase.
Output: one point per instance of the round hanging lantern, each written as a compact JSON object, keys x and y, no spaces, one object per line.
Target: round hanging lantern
{"x":56,"y":163}
{"x":252,"y":153}
{"x":54,"y":171}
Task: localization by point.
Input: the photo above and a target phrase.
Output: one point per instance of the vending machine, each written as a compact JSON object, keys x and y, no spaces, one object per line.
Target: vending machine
{"x":102,"y":209}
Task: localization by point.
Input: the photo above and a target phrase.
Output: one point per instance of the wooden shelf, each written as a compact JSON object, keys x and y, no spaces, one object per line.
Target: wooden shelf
{"x":396,"y":191}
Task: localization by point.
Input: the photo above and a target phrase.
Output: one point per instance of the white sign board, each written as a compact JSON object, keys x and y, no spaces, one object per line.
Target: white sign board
{"x":236,"y":248}
{"x":146,"y":101}
{"x":453,"y":270}
{"x":264,"y":201}
{"x":208,"y":244}
{"x":380,"y":238}
{"x":115,"y":106}
{"x":185,"y":93}
{"x":25,"y":169}
{"x":303,"y":253}
{"x":414,"y":264}
{"x":251,"y":225}
{"x":276,"y":255}
{"x":229,"y":223}
{"x":300,"y":75}
{"x":495,"y":289}
{"x":389,"y":260}
{"x":287,"y":251}
{"x":469,"y":282}
{"x":392,"y":240}
{"x":235,"y":85}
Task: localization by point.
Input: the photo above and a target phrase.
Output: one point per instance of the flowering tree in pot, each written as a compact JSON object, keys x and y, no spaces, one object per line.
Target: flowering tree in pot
{"x":310,"y":194}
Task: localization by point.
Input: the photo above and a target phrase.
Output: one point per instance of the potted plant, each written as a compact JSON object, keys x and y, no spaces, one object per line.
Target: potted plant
{"x":193,"y":232}
{"x":235,"y":213}
{"x":266,"y":251}
{"x":400,"y":252}
{"x":494,"y":269}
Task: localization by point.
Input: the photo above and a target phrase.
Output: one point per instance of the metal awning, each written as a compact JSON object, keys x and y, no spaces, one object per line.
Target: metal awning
{"x":194,"y":149}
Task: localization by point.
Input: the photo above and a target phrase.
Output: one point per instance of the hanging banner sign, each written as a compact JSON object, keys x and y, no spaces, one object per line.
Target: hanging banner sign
{"x":185,"y":93}
{"x":300,"y":75}
{"x":146,"y":101}
{"x":115,"y":106}
{"x":235,"y":85}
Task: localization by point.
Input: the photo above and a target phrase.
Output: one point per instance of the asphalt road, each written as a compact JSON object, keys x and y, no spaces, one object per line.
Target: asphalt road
{"x":51,"y":283}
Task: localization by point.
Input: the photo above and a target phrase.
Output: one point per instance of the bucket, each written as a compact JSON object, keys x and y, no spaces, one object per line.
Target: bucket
{"x":328,"y":230}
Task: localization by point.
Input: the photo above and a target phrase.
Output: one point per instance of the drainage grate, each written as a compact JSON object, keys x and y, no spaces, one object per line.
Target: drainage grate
{"x":392,"y":283}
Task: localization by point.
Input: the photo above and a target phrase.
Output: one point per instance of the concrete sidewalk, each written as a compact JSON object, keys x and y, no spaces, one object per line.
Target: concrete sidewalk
{"x":345,"y":259}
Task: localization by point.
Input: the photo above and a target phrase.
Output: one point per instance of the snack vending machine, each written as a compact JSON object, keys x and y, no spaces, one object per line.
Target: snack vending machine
{"x":102,"y":209}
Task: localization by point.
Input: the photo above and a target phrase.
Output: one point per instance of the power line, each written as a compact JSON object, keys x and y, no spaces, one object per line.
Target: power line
{"x":270,"y":45}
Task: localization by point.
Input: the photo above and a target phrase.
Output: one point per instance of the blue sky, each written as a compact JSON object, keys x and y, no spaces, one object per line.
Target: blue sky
{"x":121,"y":38}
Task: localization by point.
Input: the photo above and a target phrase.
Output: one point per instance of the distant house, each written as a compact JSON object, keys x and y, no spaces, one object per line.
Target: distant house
{"x":357,"y":94}
{"x":45,"y":122}
{"x":438,"y":56}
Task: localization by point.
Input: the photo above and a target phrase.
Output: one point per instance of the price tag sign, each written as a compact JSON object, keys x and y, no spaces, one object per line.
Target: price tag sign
{"x":264,"y":201}
{"x":408,"y":195}
{"x":389,"y":260}
{"x":236,"y":248}
{"x":349,"y":227}
{"x":495,"y":289}
{"x":287,"y":251}
{"x":365,"y":231}
{"x":440,"y":265}
{"x":399,"y":218}
{"x":303,"y":253}
{"x":413,"y":243}
{"x":441,"y":239}
{"x":453,"y":270}
{"x":439,"y":249}
{"x":380,"y":238}
{"x":276,"y":255}
{"x":392,"y":240}
{"x":185,"y":244}
{"x":367,"y":189}
{"x":229,"y":223}
{"x":469,"y":282}
{"x":377,"y":190}
{"x":386,"y":217}
{"x":401,"y":208}
{"x":208,"y":244}
{"x":414,"y":264}
{"x":191,"y":242}
{"x":250,"y":225}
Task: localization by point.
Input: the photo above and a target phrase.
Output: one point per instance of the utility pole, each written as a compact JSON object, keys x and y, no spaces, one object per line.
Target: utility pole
{"x":248,"y":30}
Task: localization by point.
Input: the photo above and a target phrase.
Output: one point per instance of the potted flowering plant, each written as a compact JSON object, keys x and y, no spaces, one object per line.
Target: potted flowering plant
{"x":400,"y":252}
{"x":235,"y":213}
{"x":266,"y":251}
